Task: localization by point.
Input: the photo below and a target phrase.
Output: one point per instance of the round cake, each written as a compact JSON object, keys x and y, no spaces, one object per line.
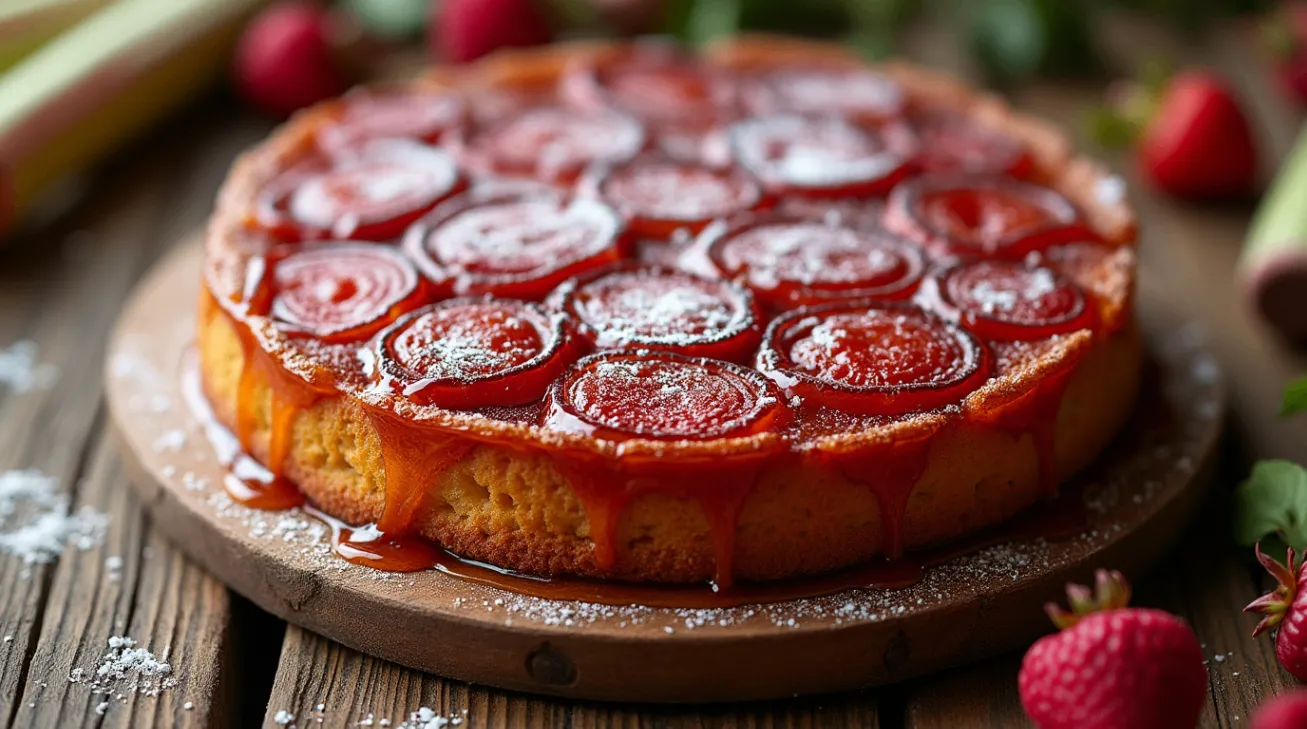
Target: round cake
{"x":625,"y":311}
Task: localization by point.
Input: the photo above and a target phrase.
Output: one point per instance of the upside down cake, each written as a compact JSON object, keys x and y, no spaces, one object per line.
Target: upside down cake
{"x":626,"y":311}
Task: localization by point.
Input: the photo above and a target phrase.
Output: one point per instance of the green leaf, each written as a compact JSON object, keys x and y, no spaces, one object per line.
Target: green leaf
{"x":710,"y":19}
{"x":1273,"y":501}
{"x":1295,"y":397}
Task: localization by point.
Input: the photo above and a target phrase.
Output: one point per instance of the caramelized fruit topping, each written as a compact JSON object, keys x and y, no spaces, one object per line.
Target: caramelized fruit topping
{"x":515,"y":245}
{"x":855,"y":92}
{"x":471,"y":353}
{"x":793,"y":261}
{"x":984,"y":215}
{"x":373,"y":193}
{"x":1013,"y":300}
{"x":953,"y":144}
{"x":874,"y":359}
{"x":660,"y":395}
{"x":657,"y":308}
{"x":339,"y":291}
{"x":823,"y":155}
{"x":554,"y":143}
{"x":391,"y":113}
{"x":658,"y":84}
{"x":659,"y":197}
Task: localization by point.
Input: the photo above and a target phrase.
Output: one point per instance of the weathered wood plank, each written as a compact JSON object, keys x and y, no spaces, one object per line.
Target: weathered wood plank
{"x":350,"y":687}
{"x":62,"y":291}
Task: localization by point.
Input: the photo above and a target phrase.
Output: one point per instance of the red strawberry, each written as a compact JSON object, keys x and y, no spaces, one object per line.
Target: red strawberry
{"x":1285,"y":608}
{"x":1198,"y":143}
{"x":1113,"y":667}
{"x":468,"y":29}
{"x":1288,"y":711}
{"x":283,"y":61}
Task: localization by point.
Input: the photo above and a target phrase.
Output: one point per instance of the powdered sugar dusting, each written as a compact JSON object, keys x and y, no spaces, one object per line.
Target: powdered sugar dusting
{"x":20,"y":371}
{"x":35,"y":525}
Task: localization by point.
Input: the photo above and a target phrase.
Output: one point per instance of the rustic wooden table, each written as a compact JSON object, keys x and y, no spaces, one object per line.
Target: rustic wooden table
{"x":235,"y":666}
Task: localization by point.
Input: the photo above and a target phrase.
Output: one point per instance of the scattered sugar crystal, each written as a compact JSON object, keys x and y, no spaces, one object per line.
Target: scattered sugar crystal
{"x":20,"y":371}
{"x":101,"y":707}
{"x":35,"y":525}
{"x":283,"y":717}
{"x":1110,"y":190}
{"x":125,"y":669}
{"x":173,"y":439}
{"x":188,"y":705}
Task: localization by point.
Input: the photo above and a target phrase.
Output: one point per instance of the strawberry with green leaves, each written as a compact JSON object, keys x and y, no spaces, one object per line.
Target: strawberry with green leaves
{"x":1285,"y":609}
{"x":1112,"y":666}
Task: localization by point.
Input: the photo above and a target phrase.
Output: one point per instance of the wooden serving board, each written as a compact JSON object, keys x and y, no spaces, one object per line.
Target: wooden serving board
{"x":1139,"y":497}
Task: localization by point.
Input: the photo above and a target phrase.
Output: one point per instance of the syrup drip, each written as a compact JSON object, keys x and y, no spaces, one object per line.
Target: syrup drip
{"x":1057,"y":520}
{"x":1062,"y":518}
{"x":719,"y":489}
{"x":412,"y":459}
{"x":1036,"y":414}
{"x":890,"y":472}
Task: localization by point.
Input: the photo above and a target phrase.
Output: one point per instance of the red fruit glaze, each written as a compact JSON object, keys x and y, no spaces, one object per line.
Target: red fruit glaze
{"x":1129,"y":668}
{"x":339,"y":292}
{"x":661,"y":395}
{"x":1287,"y":711}
{"x":553,"y":143}
{"x":660,"y":197}
{"x":793,"y":261}
{"x":826,"y":156}
{"x":368,"y":114}
{"x":983,"y":215}
{"x":1199,"y":143}
{"x":1012,"y":300}
{"x":464,"y":30}
{"x":282,"y":61}
{"x":851,"y":92}
{"x":875,"y":359}
{"x":470,"y":353}
{"x":372,"y":194}
{"x":637,"y":308}
{"x":514,"y":245}
{"x":657,"y":84}
{"x":951,"y":143}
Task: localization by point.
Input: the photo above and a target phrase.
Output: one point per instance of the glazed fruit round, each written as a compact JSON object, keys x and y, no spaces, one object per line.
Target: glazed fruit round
{"x":629,"y":312}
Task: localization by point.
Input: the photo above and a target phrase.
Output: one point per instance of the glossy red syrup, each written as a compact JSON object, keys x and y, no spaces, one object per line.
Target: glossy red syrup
{"x":984,"y":216}
{"x":950,"y":143}
{"x":662,"y":198}
{"x":824,"y":156}
{"x":636,"y":307}
{"x":390,"y":113}
{"x":553,"y":143}
{"x":792,"y":260}
{"x":469,"y":353}
{"x":373,"y":193}
{"x":891,"y":472}
{"x":515,"y":245}
{"x":875,"y":359}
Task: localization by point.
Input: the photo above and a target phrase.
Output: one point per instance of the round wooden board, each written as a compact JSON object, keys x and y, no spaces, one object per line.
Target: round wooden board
{"x":1139,"y":498}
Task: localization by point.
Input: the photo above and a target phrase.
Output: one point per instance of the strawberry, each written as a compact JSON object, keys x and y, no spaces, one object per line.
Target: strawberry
{"x":1288,"y":711}
{"x":1113,"y":667}
{"x":1191,"y":137}
{"x":283,"y":61}
{"x":467,"y":29}
{"x":1198,"y":143}
{"x":1285,"y":609}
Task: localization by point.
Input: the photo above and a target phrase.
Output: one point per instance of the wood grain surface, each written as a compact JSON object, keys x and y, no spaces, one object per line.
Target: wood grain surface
{"x":61,"y":288}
